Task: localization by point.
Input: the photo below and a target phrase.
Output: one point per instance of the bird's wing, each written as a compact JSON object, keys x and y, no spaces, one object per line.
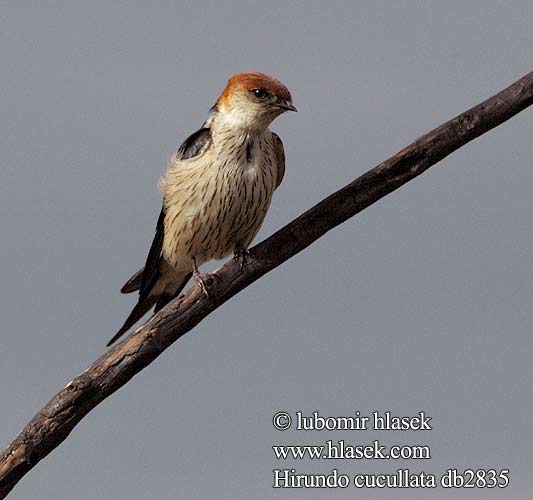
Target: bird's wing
{"x":194,"y":144}
{"x":280,"y":157}
{"x":146,"y":277}
{"x":151,"y":272}
{"x":142,"y":279}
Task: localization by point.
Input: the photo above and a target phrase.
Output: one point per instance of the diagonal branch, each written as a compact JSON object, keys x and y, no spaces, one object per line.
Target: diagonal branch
{"x":119,"y":364}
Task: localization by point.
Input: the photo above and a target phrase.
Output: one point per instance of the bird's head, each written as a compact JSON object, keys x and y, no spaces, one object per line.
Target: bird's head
{"x":253,"y":100}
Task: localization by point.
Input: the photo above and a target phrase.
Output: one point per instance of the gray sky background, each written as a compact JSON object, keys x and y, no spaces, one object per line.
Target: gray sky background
{"x":422,"y":302}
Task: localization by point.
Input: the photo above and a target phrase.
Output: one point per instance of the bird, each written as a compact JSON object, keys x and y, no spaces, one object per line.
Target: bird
{"x":216,"y":191}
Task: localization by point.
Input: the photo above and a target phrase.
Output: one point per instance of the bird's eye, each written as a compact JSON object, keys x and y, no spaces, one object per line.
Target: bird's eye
{"x":259,"y":93}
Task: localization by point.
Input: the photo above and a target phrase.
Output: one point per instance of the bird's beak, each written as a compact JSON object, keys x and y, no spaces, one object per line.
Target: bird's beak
{"x":285,"y":105}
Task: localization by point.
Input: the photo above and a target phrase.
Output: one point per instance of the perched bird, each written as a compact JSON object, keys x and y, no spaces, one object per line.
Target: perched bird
{"x":216,"y":191}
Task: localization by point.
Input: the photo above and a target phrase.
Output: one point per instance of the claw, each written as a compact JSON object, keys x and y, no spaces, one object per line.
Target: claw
{"x":241,"y":255}
{"x":199,"y":279}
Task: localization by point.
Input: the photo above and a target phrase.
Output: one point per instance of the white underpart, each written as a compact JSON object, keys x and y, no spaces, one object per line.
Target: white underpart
{"x":218,"y":200}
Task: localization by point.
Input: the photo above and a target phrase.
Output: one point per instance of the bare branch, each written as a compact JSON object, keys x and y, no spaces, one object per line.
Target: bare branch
{"x":113,"y":369}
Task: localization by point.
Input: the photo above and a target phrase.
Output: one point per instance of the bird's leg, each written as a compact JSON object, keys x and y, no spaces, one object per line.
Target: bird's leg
{"x":198,"y":278}
{"x":241,"y":254}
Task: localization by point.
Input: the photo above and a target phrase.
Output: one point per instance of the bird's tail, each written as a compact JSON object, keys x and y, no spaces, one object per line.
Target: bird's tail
{"x":140,"y":309}
{"x":146,"y":303}
{"x":134,"y":283}
{"x":166,"y":297}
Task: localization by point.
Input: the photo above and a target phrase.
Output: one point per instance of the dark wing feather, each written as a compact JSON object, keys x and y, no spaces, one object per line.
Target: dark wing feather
{"x":151,"y":268}
{"x":280,"y":157}
{"x":194,"y":144}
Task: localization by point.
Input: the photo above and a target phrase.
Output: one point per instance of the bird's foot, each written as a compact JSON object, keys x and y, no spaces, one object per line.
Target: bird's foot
{"x":202,"y":282}
{"x":241,"y":256}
